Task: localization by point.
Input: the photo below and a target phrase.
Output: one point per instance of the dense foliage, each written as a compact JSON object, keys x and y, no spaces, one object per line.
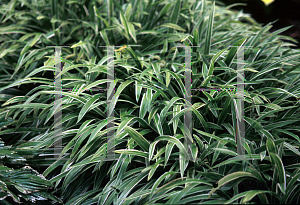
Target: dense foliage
{"x":148,"y":104}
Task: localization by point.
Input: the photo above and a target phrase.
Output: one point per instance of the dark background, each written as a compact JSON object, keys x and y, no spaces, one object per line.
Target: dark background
{"x":287,"y":12}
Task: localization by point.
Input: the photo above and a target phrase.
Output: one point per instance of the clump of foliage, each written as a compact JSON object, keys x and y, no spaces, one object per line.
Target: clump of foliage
{"x":18,"y":181}
{"x":149,"y":102}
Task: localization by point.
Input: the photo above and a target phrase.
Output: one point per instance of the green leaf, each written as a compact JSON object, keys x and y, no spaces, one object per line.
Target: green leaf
{"x":175,"y":14}
{"x":117,"y":94}
{"x":226,"y":151}
{"x":229,"y":178}
{"x":159,"y":180}
{"x":168,"y":152}
{"x":209,"y":31}
{"x":11,"y":49}
{"x":211,"y":67}
{"x":183,"y":162}
{"x":280,"y":169}
{"x":105,"y":38}
{"x":79,"y":44}
{"x":174,"y":140}
{"x":232,"y":52}
{"x":292,"y":148}
{"x":151,"y":149}
{"x":255,"y":40}
{"x":145,"y":104}
{"x":248,"y":195}
{"x":153,"y":168}
{"x":125,"y":25}
{"x":171,"y":25}
{"x":140,"y":140}
{"x":4,"y":168}
{"x":210,"y":135}
{"x":128,"y":11}
{"x":87,"y":107}
{"x":30,"y":105}
{"x":132,"y":152}
{"x":132,"y":31}
{"x":166,"y":108}
{"x":95,"y":132}
{"x":270,"y":146}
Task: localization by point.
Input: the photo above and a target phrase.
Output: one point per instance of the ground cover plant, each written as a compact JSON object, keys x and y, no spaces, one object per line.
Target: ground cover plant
{"x":148,"y":105}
